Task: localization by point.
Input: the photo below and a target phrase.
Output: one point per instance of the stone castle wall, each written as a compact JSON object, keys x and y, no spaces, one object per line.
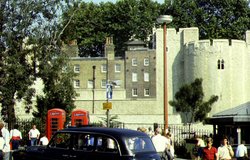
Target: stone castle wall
{"x":190,"y":58}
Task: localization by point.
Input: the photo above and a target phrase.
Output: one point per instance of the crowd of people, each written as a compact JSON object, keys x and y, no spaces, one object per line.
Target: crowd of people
{"x":203,"y":149}
{"x":10,"y":140}
{"x":163,"y":144}
{"x":223,"y":152}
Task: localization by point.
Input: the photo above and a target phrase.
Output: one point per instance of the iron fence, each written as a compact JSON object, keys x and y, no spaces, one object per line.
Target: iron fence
{"x":179,"y":132}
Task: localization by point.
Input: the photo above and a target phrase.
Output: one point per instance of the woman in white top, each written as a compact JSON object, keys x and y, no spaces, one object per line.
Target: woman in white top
{"x":225,"y":151}
{"x":44,"y":140}
{"x":15,"y":137}
{"x":1,"y":145}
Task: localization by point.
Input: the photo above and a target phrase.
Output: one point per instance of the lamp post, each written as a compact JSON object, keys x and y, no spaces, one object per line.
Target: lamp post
{"x":93,"y":90}
{"x":165,"y":19}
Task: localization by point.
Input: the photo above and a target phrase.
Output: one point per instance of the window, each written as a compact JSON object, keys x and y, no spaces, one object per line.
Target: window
{"x":134,"y":77}
{"x":103,"y":83}
{"x":84,"y":142}
{"x":61,"y":140}
{"x":106,"y":144}
{"x":117,"y":68}
{"x":76,"y":68}
{"x":220,"y":64}
{"x":103,"y":68}
{"x":146,"y":77}
{"x":146,"y":61}
{"x":146,"y":92}
{"x":76,"y":83}
{"x":134,"y":62}
{"x":117,"y":83}
{"x":90,"y":83}
{"x":134,"y":92}
{"x":139,"y":144}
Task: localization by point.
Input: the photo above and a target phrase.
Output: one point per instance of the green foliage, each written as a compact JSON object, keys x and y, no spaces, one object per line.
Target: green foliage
{"x":189,"y":100}
{"x":215,"y":19}
{"x":113,"y":123}
{"x":92,"y":23}
{"x":59,"y":93}
{"x":127,"y":19}
{"x":29,"y":50}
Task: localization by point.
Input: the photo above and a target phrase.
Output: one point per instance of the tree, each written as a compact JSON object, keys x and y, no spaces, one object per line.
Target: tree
{"x":135,"y":19}
{"x":58,"y":89}
{"x":215,"y":19}
{"x":30,"y":49}
{"x":87,"y":28}
{"x":189,"y":100}
{"x":92,"y":23}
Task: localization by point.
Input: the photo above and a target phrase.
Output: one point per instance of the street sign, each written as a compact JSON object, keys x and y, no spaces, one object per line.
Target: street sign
{"x":107,"y":105}
{"x":109,"y":91}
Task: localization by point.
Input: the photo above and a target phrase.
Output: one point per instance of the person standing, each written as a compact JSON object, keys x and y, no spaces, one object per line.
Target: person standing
{"x":225,"y":151}
{"x":160,"y":142}
{"x":34,"y":135}
{"x":170,"y":146}
{"x":43,"y":140}
{"x":209,"y":152}
{"x":150,"y":132}
{"x":196,"y":150}
{"x":1,"y":145}
{"x":6,"y":138}
{"x":241,"y":151}
{"x":15,"y":137}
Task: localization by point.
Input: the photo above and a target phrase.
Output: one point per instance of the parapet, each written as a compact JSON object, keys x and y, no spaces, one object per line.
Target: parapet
{"x":190,"y":34}
{"x":248,"y":37}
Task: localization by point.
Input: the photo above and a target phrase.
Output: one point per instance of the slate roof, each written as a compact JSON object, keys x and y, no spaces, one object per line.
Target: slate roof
{"x":241,"y":110}
{"x":239,"y":114}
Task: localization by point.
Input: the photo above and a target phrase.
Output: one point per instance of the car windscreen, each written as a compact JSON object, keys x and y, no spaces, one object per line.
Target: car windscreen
{"x":139,"y":144}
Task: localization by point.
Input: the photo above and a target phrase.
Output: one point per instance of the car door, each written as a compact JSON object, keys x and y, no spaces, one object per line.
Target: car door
{"x":82,"y":144}
{"x":59,"y":147}
{"x":106,"y":148}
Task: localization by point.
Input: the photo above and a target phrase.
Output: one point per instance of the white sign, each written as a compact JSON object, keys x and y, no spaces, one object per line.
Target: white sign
{"x":109,"y":91}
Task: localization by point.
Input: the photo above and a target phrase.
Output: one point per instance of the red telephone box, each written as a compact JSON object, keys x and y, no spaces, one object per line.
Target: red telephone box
{"x":55,"y":121}
{"x":79,"y":117}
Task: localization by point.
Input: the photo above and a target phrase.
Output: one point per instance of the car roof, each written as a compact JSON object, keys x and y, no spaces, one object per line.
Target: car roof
{"x":115,"y":132}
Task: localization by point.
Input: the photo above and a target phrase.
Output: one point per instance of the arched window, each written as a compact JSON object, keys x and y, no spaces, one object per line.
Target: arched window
{"x":218,"y":65}
{"x":222,"y":64}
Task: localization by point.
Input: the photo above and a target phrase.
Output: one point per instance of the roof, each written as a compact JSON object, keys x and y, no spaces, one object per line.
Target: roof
{"x":136,"y":42}
{"x":239,"y":114}
{"x":241,"y":110}
{"x":114,"y":132}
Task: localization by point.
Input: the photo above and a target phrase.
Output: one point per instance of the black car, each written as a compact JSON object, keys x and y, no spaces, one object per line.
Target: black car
{"x":93,"y":143}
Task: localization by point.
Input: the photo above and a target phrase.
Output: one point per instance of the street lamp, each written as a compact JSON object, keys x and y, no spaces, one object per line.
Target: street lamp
{"x":93,"y":90}
{"x":165,"y":19}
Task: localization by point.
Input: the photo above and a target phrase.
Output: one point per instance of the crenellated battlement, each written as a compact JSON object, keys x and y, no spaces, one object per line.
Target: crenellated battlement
{"x":189,"y":37}
{"x":183,"y":35}
{"x":215,"y":46}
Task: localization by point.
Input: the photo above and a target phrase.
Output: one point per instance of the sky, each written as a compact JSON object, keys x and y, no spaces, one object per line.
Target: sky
{"x":98,"y":1}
